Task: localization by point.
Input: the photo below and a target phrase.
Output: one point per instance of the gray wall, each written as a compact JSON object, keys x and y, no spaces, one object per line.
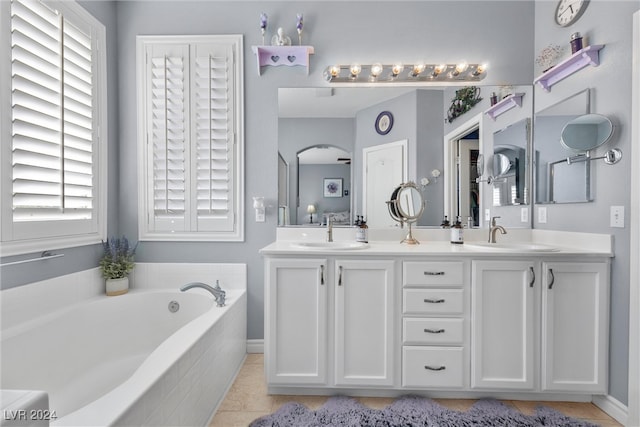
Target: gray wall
{"x":484,"y":31}
{"x":312,"y":191}
{"x":608,"y":23}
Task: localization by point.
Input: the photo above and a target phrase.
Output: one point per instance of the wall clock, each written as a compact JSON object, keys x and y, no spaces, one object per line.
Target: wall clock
{"x":569,"y":11}
{"x":384,"y":122}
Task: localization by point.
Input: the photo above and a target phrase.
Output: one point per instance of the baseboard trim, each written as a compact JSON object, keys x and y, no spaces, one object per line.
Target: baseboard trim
{"x":255,"y":346}
{"x":613,"y":407}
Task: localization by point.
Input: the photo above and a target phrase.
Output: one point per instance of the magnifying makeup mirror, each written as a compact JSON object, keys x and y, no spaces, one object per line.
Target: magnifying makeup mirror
{"x":406,"y":206}
{"x":586,"y":132}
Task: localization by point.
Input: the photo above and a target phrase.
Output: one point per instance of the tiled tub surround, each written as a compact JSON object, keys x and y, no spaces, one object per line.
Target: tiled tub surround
{"x":127,"y":358}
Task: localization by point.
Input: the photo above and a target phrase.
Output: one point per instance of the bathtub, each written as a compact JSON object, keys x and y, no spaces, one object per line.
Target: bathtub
{"x":129,"y":360}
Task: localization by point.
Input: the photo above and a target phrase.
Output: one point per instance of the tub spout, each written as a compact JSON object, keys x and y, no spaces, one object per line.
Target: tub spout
{"x":217,"y":293}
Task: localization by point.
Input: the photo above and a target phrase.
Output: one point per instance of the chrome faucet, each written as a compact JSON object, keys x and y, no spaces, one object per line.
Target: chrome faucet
{"x":330,"y":228}
{"x":494,"y":228}
{"x":217,"y":292}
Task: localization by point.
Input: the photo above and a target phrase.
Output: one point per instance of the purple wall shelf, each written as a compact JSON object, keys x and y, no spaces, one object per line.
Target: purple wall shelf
{"x":587,"y":56}
{"x":277,"y":56}
{"x":505,"y":105}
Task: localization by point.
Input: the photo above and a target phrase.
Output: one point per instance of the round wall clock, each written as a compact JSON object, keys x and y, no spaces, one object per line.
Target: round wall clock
{"x":569,"y":11}
{"x":384,"y":122}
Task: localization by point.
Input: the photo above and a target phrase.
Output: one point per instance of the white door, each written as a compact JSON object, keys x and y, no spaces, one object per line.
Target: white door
{"x":384,"y":168}
{"x":465,"y":195}
{"x":575,"y":326}
{"x":364,"y":322}
{"x":504,"y":298}
{"x":296,"y":329}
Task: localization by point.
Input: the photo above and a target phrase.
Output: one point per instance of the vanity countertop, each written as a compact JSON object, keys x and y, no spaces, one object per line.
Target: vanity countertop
{"x":519,"y":243}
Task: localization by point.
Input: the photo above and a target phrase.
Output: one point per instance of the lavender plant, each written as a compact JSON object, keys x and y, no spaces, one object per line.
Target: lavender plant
{"x":117,"y":260}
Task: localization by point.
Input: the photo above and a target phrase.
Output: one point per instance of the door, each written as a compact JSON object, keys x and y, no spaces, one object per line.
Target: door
{"x":384,"y":168}
{"x":296,"y":321}
{"x":575,"y":326}
{"x":503,"y":305}
{"x":364,"y":322}
{"x":468,"y":194}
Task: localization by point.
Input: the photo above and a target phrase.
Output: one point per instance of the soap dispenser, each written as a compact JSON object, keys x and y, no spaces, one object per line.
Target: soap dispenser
{"x":457,"y":236}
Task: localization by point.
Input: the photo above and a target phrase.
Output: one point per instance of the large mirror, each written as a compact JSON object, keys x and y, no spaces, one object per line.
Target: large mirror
{"x":510,"y":177}
{"x":559,"y":180}
{"x":344,"y":118}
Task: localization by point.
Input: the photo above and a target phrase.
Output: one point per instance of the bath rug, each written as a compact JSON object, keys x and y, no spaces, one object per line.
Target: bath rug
{"x":412,"y":411}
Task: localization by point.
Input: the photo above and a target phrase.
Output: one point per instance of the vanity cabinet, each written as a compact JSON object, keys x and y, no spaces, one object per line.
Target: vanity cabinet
{"x":364,"y":322}
{"x":320,"y":307}
{"x":540,"y":325}
{"x":296,"y":321}
{"x":435,"y":309}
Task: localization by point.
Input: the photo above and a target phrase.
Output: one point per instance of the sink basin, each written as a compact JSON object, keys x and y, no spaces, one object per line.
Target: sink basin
{"x":507,"y":247}
{"x":338,"y":246}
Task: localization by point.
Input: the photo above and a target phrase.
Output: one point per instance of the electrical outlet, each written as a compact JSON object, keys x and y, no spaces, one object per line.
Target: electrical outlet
{"x":487,"y":215}
{"x":524,"y":214}
{"x":542,"y":215}
{"x":617,"y":216}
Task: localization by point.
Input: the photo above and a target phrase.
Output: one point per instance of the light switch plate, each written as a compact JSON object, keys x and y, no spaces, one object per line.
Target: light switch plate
{"x":617,"y":216}
{"x":542,"y":215}
{"x":524,"y":214}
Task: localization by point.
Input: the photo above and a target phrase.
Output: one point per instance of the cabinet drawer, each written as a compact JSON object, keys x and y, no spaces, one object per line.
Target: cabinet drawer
{"x":433,"y":273}
{"x":433,"y":301}
{"x":432,"y":331}
{"x":432,"y":367}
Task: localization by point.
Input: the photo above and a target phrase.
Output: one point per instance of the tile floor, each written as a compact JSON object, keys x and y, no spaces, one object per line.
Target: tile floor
{"x":248,"y":399}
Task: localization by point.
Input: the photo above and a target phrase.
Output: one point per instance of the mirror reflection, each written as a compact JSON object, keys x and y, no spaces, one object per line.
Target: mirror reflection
{"x":586,"y":132}
{"x":557,"y":180}
{"x":510,"y":164}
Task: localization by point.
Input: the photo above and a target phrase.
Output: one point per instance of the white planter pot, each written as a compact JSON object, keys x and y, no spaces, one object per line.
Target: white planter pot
{"x":117,"y":286}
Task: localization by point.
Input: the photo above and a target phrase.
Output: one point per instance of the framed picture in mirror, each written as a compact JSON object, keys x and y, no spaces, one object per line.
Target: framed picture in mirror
{"x":332,"y":187}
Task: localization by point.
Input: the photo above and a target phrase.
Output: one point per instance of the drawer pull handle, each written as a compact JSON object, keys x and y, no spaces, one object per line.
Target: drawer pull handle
{"x":553,"y":278}
{"x":533,"y":277}
{"x":434,"y":331}
{"x":322,"y":274}
{"x":435,"y":368}
{"x":434,"y":301}
{"x":340,"y":276}
{"x":434,"y":273}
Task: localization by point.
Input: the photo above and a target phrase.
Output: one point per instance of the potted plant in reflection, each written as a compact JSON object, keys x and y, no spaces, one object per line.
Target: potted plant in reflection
{"x":116,"y":264}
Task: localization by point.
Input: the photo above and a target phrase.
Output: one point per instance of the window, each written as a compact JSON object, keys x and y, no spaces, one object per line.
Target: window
{"x":53,"y":180}
{"x":190,"y":137}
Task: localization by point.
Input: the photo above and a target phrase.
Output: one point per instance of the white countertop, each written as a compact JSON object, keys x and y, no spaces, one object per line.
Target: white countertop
{"x":434,"y":242}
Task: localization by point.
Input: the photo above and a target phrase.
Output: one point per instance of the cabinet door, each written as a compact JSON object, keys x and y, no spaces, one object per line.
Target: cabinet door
{"x":504,"y":297}
{"x":296,"y":321}
{"x":364,"y":322}
{"x":575,"y":326}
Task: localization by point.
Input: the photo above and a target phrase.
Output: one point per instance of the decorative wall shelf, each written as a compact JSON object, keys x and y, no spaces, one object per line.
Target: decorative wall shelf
{"x":505,"y":105}
{"x":277,"y":56}
{"x":587,"y":56}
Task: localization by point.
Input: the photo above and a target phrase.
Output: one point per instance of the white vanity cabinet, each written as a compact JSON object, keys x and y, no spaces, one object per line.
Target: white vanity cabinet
{"x":364,"y":322}
{"x":538,"y":325}
{"x":435,"y":308}
{"x":330,"y":322}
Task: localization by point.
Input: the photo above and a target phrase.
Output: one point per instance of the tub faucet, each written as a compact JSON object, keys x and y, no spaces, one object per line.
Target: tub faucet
{"x":217,"y":292}
{"x":330,"y":228}
{"x":494,"y":228}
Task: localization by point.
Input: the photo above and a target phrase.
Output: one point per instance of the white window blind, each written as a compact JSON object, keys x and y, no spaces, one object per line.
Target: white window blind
{"x":54,"y":122}
{"x":192,"y":121}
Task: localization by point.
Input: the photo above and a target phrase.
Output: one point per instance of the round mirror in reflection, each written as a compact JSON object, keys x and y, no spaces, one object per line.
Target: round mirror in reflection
{"x":587,"y":132}
{"x":501,"y":164}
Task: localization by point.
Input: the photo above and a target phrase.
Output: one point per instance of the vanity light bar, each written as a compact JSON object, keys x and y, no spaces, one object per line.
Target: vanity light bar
{"x":407,"y":73}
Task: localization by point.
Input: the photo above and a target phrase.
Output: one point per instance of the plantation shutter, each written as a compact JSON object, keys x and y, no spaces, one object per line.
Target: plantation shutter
{"x":190,"y":139}
{"x":214,"y":137}
{"x":52,"y":115}
{"x":169,"y":135}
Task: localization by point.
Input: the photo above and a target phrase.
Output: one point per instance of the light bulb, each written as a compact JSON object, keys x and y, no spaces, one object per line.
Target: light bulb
{"x":480,"y":69}
{"x":396,"y":69}
{"x":334,"y":70}
{"x":418,"y":68}
{"x":460,"y":68}
{"x":376,"y":69}
{"x":355,"y":69}
{"x":438,"y":69}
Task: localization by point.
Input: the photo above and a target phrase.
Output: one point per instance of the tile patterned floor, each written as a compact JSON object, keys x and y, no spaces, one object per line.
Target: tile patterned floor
{"x":248,"y":399}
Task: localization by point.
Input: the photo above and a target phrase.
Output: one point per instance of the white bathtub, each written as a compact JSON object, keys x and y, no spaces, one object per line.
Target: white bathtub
{"x":128,"y":360}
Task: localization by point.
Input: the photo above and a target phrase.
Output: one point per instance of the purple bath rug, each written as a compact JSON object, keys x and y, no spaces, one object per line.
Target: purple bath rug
{"x":412,"y":411}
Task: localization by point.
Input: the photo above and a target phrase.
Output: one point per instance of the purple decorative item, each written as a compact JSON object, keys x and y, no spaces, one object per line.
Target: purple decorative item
{"x":263,"y":24}
{"x":299,"y":27}
{"x":576,"y":42}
